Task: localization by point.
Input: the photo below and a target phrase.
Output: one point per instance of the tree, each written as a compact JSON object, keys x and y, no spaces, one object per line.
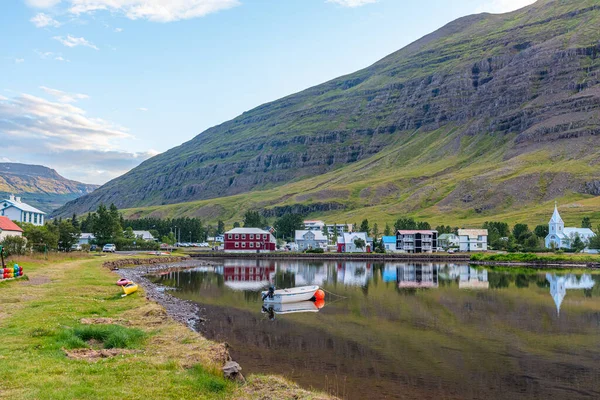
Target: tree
{"x":220,"y":227}
{"x":595,"y":240}
{"x":128,"y":234}
{"x":577,"y":244}
{"x":500,"y":227}
{"x":364,"y":227}
{"x":41,"y":238}
{"x":405,"y":224}
{"x":288,"y":224}
{"x":116,"y":220}
{"x":520,"y":232}
{"x":532,"y":242}
{"x":375,"y":232}
{"x":103,"y":228}
{"x":236,"y":225}
{"x":541,"y":231}
{"x":387,"y":231}
{"x":75,"y":222}
{"x":586,"y":223}
{"x":169,"y":239}
{"x":252,"y":219}
{"x":359,"y":243}
{"x":423,"y":225}
{"x":14,"y":246}
{"x":68,"y":235}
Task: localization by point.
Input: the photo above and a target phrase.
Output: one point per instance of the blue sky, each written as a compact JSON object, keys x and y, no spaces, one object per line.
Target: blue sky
{"x":94,"y":87}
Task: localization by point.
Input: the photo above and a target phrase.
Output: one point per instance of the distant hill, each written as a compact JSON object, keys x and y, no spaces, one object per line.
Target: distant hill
{"x":489,"y":115}
{"x":40,"y":186}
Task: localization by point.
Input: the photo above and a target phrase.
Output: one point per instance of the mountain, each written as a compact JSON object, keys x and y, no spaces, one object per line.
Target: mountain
{"x":39,"y":186}
{"x":489,"y":115}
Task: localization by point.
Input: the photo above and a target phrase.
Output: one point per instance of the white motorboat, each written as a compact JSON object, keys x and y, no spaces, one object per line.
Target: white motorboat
{"x":291,"y":308}
{"x":292,"y":295}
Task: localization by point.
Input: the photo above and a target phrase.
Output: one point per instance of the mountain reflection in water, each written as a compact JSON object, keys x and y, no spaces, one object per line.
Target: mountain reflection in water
{"x":409,"y":330}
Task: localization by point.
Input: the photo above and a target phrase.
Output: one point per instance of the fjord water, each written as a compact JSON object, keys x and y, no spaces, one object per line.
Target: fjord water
{"x":399,"y":330}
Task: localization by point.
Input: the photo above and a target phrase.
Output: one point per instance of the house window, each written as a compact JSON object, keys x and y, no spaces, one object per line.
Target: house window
{"x":265,"y":237}
{"x":237,"y":236}
{"x":243,"y":244}
{"x":237,"y":245}
{"x":251,"y":236}
{"x":257,"y":244}
{"x":251,"y":244}
{"x":244,"y":236}
{"x":229,"y":236}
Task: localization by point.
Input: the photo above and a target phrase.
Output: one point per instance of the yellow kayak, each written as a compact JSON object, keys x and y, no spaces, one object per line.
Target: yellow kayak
{"x":131,"y":288}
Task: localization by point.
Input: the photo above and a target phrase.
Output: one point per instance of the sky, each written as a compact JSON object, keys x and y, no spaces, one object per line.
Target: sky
{"x":92,"y":88}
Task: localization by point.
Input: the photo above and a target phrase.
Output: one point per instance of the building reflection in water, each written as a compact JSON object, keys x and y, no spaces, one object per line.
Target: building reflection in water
{"x":560,"y":284}
{"x":418,"y":276}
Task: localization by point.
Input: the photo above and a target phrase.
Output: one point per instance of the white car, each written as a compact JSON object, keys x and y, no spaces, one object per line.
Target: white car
{"x":109,"y":248}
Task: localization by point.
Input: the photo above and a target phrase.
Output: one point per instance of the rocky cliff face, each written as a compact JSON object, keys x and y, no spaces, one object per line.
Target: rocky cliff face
{"x":526,"y":81}
{"x":40,"y":186}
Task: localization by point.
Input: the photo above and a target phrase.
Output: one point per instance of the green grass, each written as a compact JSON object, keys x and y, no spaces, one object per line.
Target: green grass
{"x":42,"y":318}
{"x":536,"y":258}
{"x":110,"y":336}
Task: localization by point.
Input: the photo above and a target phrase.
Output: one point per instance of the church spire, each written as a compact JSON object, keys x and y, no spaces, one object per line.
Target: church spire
{"x":556,"y":219}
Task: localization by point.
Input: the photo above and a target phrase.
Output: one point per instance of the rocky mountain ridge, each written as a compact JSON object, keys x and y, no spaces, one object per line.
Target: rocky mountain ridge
{"x":484,"y":94}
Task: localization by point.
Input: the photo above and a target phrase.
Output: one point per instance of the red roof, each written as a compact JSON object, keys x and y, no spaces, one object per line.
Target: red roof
{"x":7,"y":225}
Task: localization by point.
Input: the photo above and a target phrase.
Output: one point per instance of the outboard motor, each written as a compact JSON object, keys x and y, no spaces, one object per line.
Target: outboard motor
{"x":270,"y":294}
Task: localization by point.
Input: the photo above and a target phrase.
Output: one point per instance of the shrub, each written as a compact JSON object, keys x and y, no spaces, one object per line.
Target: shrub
{"x":14,"y":246}
{"x":315,"y":251}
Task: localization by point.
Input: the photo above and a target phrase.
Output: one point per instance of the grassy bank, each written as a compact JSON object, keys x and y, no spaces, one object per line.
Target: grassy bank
{"x":536,"y":258}
{"x":68,"y":334}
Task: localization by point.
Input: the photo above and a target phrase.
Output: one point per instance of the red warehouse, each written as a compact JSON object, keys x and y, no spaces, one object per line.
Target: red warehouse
{"x":249,"y":240}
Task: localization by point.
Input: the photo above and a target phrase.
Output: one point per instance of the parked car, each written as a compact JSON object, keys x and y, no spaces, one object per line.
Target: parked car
{"x":109,"y":248}
{"x":76,"y":247}
{"x":450,"y":251}
{"x":93,"y":247}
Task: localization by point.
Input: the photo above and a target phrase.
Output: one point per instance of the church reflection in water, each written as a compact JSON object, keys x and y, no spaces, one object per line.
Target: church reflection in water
{"x":560,"y":284}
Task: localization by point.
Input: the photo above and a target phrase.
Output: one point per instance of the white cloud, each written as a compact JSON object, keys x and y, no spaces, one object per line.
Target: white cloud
{"x":144,"y":109}
{"x":64,"y":137}
{"x":48,"y":54}
{"x":502,"y":6}
{"x":352,"y":3}
{"x":72,"y":41}
{"x":64,"y":97}
{"x":118,"y":30}
{"x":42,"y":3}
{"x":42,"y":20}
{"x":154,"y":10}
{"x":61,"y":59}
{"x":19,"y":60}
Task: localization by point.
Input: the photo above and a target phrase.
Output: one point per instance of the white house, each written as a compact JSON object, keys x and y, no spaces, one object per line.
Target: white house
{"x":310,"y":240}
{"x":472,"y":239}
{"x":345,"y":243}
{"x":448,"y":240}
{"x":86,"y":238}
{"x":562,"y":238}
{"x":314,"y":225}
{"x":9,"y":228}
{"x":144,"y":235}
{"x":18,"y":211}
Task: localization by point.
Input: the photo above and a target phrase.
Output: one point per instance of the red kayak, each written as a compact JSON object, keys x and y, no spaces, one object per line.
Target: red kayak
{"x":123,"y":282}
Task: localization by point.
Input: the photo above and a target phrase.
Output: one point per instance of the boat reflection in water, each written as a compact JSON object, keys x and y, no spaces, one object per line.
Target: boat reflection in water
{"x":407,"y":330}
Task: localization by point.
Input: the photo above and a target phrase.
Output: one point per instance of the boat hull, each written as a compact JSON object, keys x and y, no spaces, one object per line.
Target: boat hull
{"x":293,"y":295}
{"x":131,"y":288}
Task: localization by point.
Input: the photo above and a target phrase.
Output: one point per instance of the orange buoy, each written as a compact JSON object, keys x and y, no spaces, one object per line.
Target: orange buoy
{"x":320,"y":304}
{"x":320,"y":295}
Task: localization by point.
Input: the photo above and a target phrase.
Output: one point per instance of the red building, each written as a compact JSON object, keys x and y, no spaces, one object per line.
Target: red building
{"x":249,"y":240}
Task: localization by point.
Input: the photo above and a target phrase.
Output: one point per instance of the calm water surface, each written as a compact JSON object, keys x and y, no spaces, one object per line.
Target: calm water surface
{"x":398,"y":330}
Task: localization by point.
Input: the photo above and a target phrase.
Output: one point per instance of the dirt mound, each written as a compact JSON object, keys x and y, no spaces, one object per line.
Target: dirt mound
{"x":95,"y":355}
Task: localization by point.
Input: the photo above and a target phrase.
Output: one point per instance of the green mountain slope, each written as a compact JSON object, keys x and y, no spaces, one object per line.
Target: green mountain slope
{"x":489,"y":115}
{"x":39,"y":186}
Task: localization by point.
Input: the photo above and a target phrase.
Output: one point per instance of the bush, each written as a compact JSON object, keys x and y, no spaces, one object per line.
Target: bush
{"x":14,"y":246}
{"x":315,"y":251}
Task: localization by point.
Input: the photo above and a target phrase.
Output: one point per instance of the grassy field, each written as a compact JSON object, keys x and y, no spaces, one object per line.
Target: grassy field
{"x":536,"y":258}
{"x":67,"y":311}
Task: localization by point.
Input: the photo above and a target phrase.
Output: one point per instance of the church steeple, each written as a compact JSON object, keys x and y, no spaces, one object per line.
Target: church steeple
{"x":556,"y":223}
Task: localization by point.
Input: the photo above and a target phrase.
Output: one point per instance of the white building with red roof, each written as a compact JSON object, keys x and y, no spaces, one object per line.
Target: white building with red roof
{"x":9,"y":228}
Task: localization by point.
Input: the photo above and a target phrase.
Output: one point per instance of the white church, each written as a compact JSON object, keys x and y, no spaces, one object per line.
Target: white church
{"x":560,"y":237}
